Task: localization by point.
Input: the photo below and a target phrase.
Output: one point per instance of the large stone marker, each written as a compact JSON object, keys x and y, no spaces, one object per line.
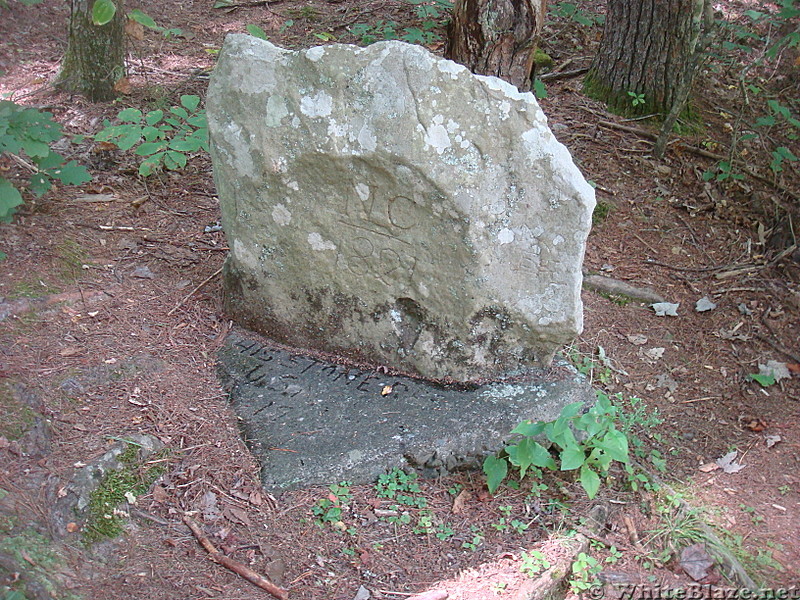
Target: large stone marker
{"x":388,"y":206}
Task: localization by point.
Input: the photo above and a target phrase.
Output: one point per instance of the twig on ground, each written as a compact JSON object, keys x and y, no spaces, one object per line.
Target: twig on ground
{"x":238,"y":568}
{"x":564,"y":74}
{"x":194,"y":291}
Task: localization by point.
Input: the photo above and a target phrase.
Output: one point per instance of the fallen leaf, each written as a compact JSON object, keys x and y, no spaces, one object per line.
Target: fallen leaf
{"x":387,"y":389}
{"x":708,"y":467}
{"x":752,"y":423}
{"x":665,"y":309}
{"x":704,"y":304}
{"x":460,"y":501}
{"x":123,"y":86}
{"x":771,"y":440}
{"x":696,"y":562}
{"x":728,"y":462}
{"x":777,"y":370}
{"x":237,"y":515}
{"x":637,"y":339}
{"x":160,"y":494}
{"x":134,"y":29}
{"x":255,"y":498}
{"x":69,"y":351}
{"x":4,"y":443}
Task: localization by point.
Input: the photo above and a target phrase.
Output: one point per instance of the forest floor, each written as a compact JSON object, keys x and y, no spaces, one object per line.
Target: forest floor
{"x":104,"y":333}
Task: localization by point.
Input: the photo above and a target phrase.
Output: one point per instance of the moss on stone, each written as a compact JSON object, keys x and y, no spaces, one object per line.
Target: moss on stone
{"x":104,"y":518}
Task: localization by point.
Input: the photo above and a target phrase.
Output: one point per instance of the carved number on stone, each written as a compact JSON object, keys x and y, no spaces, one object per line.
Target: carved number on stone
{"x":385,"y":264}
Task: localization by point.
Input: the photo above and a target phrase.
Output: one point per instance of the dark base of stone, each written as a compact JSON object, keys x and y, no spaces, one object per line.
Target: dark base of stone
{"x":313,"y":422}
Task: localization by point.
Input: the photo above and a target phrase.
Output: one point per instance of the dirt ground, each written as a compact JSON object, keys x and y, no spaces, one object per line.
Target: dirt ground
{"x":111,"y":314}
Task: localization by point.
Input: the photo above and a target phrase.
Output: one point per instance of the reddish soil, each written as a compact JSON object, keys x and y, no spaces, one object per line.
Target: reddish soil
{"x":120,"y":349}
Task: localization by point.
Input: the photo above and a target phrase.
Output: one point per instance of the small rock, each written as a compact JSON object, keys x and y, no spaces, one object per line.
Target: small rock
{"x":704,"y":304}
{"x":362,"y":594}
{"x":143,"y":272}
{"x":665,"y":309}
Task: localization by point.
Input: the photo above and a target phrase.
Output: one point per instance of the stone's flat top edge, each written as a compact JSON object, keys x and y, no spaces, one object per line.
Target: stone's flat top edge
{"x":316,"y":52}
{"x":531,"y":379}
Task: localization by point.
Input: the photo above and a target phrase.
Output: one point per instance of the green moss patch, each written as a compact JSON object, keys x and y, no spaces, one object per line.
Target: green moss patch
{"x":104,"y":518}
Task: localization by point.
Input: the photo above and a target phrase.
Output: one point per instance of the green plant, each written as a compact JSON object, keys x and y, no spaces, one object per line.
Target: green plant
{"x":784,"y":489}
{"x":568,"y":10}
{"x":533,"y":563}
{"x":444,"y":532}
{"x":162,"y":138}
{"x":329,"y":510}
{"x":474,"y":541}
{"x":762,"y":379}
{"x":256,"y":31}
{"x":601,"y":443}
{"x":401,"y":487}
{"x":636,"y":99}
{"x":27,"y":132}
{"x":584,"y":573}
{"x":593,"y":369}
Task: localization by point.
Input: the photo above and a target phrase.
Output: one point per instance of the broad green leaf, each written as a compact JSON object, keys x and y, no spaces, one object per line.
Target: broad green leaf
{"x":590,"y":481}
{"x":528,"y":452}
{"x":256,"y":31}
{"x":130,"y":115}
{"x":190,"y":102}
{"x":762,"y":380}
{"x":784,"y":152}
{"x":130,"y":139}
{"x":185,"y":145}
{"x":570,"y":410}
{"x":496,"y":470}
{"x":153,"y":117}
{"x":39,"y":184}
{"x":144,"y":19}
{"x":72,"y":174}
{"x":35,"y":148}
{"x":529,"y":429}
{"x":768,"y":121}
{"x":148,"y":148}
{"x":174,"y":160}
{"x":102,"y":12}
{"x":179,"y":111}
{"x":539,"y":89}
{"x":615,"y":443}
{"x":151,"y":164}
{"x":4,"y":256}
{"x":572,"y":458}
{"x":151,"y":134}
{"x":10,"y":198}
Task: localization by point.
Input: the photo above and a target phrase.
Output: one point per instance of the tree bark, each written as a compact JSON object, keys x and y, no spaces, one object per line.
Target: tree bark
{"x":496,"y":37}
{"x":95,"y":58}
{"x":647,"y":49}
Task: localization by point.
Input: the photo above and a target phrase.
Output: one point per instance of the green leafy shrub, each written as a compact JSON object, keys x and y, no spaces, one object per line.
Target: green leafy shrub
{"x":601,"y":443}
{"x":162,"y":138}
{"x":28,"y":132}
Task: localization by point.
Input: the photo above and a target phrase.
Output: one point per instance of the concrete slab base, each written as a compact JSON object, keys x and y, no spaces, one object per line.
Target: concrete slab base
{"x":312,"y":422}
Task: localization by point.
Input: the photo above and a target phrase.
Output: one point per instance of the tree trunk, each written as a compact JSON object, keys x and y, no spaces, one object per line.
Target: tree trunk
{"x":95,"y":58}
{"x":645,"y":55}
{"x":496,"y":37}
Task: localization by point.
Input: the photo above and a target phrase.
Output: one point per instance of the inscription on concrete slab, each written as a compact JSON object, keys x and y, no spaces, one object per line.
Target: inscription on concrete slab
{"x":388,"y":206}
{"x":313,"y":422}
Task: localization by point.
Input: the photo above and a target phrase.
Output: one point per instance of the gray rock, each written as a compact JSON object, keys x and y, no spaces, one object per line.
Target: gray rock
{"x":389,"y":206}
{"x":310,"y":422}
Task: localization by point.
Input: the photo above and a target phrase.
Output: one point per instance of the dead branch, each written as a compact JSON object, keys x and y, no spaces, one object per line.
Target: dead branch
{"x":564,"y":74}
{"x":238,"y":568}
{"x":194,"y":291}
